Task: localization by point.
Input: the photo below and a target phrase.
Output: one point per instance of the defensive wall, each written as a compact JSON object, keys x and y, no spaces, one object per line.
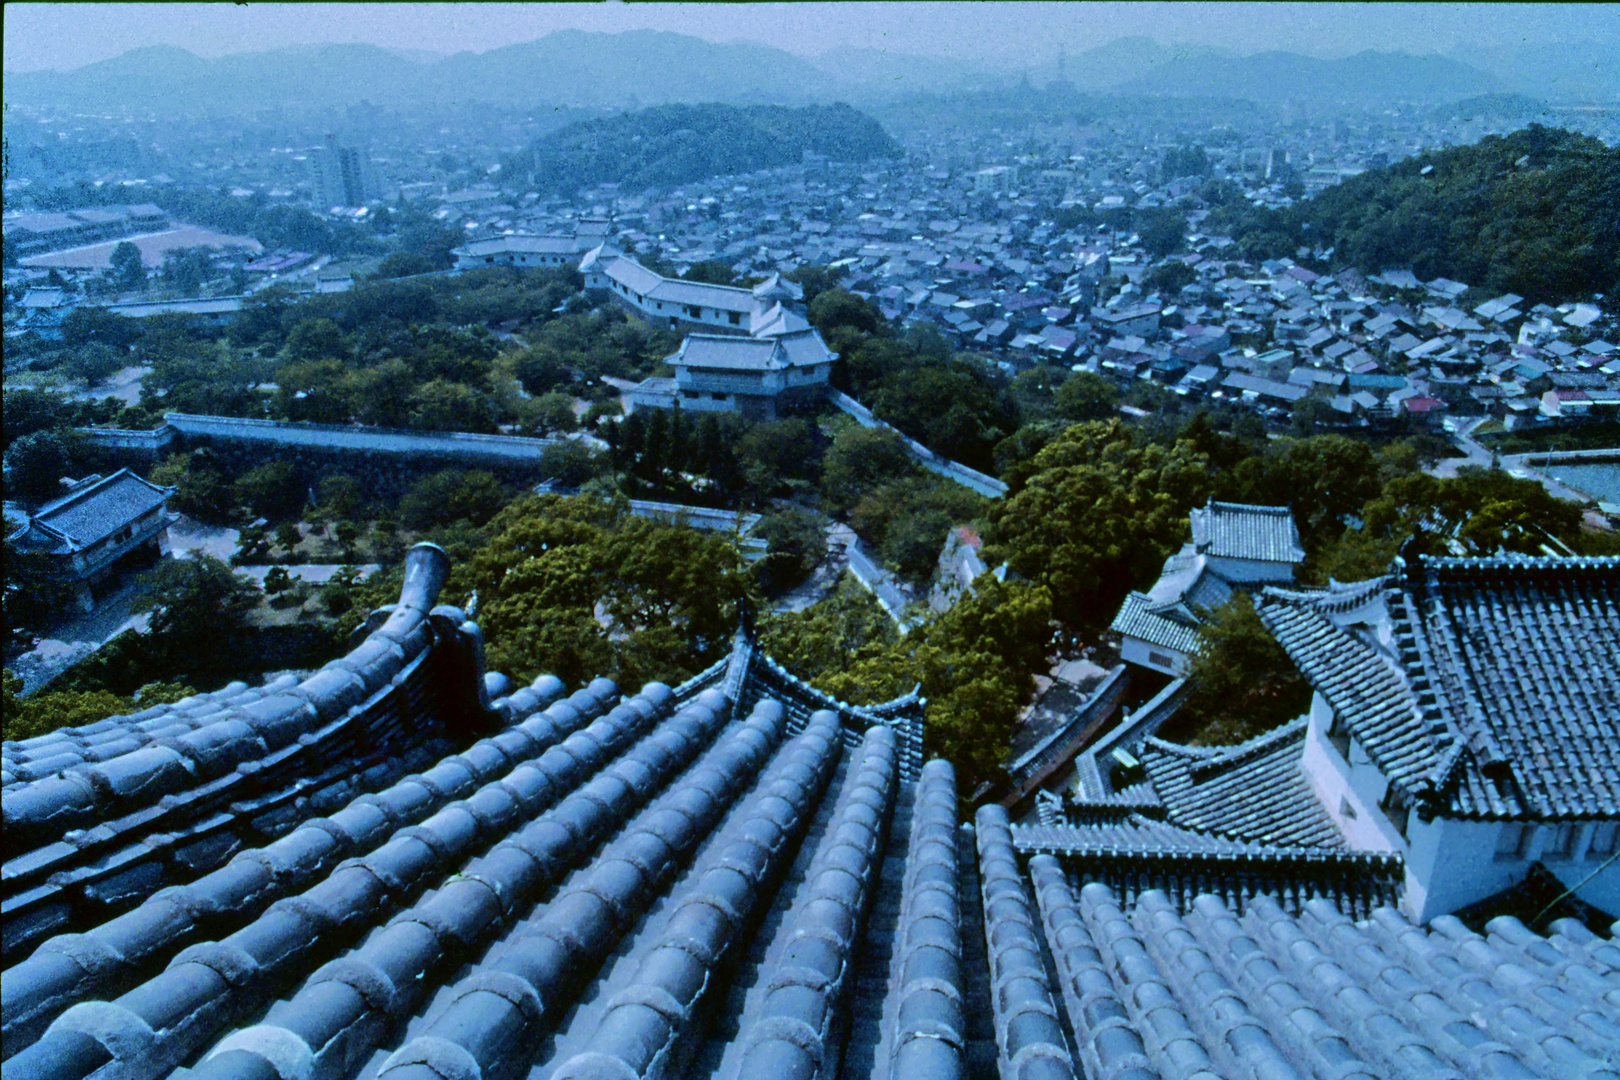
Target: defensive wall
{"x":985,"y":485}
{"x":385,"y":460}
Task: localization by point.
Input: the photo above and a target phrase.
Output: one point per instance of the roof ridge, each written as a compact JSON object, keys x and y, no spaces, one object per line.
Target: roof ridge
{"x":1246,"y":751}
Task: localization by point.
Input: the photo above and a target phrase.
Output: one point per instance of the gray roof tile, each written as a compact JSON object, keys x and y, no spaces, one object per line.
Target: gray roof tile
{"x":661,"y":886}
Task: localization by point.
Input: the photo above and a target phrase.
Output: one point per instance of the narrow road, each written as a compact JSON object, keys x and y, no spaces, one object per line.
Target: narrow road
{"x":1462,"y":439}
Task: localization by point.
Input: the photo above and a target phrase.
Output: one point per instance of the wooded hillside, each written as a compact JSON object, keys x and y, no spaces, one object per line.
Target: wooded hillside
{"x":677,"y":144}
{"x":1536,"y":212}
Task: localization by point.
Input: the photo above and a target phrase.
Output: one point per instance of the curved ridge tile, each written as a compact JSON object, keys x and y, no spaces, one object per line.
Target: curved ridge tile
{"x":641,"y":1032}
{"x":930,"y":1029}
{"x":788,"y":1037}
{"x":1285,"y":1038}
{"x":107,"y":958}
{"x":45,"y":809}
{"x":1109,"y":1046}
{"x":1028,"y":1031}
{"x":208,"y":986}
{"x":493,"y":1015}
{"x":1469,"y":1045}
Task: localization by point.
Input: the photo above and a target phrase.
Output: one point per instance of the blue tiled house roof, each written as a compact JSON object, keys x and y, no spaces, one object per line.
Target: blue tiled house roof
{"x":1486,"y":688}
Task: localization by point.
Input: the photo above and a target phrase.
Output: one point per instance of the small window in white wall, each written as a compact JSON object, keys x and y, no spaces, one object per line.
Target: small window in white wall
{"x":1605,"y":838}
{"x":1339,"y":735}
{"x":1346,"y":810}
{"x":1561,"y":843}
{"x":1513,"y":840}
{"x":1396,"y":808}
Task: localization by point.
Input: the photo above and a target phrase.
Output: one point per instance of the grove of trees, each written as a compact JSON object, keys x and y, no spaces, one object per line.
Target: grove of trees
{"x":1535,"y":212}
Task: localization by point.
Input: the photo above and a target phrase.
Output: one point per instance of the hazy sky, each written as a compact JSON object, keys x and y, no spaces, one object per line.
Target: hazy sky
{"x":66,"y":36}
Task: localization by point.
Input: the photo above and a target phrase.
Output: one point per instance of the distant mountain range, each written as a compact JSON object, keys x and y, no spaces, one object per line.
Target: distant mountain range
{"x":645,"y":67}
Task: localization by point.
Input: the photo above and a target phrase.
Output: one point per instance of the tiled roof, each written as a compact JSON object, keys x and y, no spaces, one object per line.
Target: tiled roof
{"x":713,"y":351}
{"x":1169,"y":613}
{"x":1522,"y":657}
{"x":734,"y":878}
{"x":1152,"y":989}
{"x":78,"y":520}
{"x":1253,"y":791}
{"x":1137,"y":618}
{"x":800,"y":348}
{"x":1243,"y":531}
{"x":1496,"y":692}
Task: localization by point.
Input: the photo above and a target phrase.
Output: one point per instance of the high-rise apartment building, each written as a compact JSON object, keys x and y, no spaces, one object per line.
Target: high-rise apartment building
{"x":343,"y":175}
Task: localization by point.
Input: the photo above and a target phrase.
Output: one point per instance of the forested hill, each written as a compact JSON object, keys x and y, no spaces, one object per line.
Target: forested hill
{"x":1535,"y":212}
{"x":676,"y":144}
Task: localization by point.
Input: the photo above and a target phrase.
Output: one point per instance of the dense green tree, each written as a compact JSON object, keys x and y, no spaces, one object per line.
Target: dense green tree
{"x":1032,"y":391}
{"x":975,"y":665}
{"x":313,"y":391}
{"x":1243,"y":682}
{"x":195,"y":602}
{"x":442,"y":498}
{"x":1325,"y":480}
{"x":815,"y":280}
{"x":553,"y":414}
{"x":798,"y":544}
{"x":96,"y":362}
{"x":956,"y":410}
{"x":819,"y":641}
{"x":666,"y":146}
{"x":84,"y":325}
{"x":27,"y":718}
{"x":38,"y":462}
{"x":859,"y":460}
{"x":1184,"y":161}
{"x":271,"y":490}
{"x":907,"y":520}
{"x":1536,"y":212}
{"x":186,"y":270}
{"x":406,"y":264}
{"x":835,"y":309}
{"x":1477,"y":512}
{"x":777,"y":454}
{"x":1096,"y":518}
{"x":28,"y":410}
{"x":315,"y":339}
{"x":342,"y":495}
{"x":1085,"y":395}
{"x":382,"y":394}
{"x":128,"y":269}
{"x":538,"y":370}
{"x":711,"y":272}
{"x":1163,"y":232}
{"x":432,"y":242}
{"x":570,"y":463}
{"x":35,"y":601}
{"x":1170,"y":277}
{"x":201,"y":488}
{"x":442,"y":405}
{"x":581,"y":587}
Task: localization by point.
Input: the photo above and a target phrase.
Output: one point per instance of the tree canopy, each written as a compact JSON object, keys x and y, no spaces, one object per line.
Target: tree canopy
{"x":1097,"y":516}
{"x":975,"y":664}
{"x":581,"y":587}
{"x":1535,"y":212}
